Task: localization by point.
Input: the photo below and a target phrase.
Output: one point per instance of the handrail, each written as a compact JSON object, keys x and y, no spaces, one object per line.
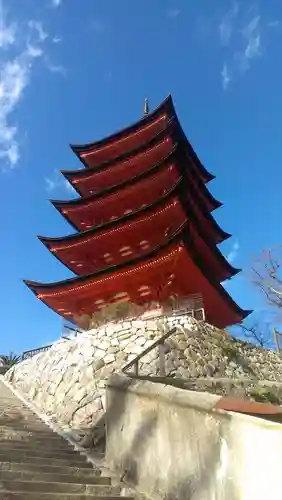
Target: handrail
{"x":33,"y":352}
{"x":160,"y":343}
{"x":277,"y":337}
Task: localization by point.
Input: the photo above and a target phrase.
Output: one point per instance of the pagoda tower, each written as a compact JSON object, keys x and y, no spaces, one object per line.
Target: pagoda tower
{"x":144,"y":232}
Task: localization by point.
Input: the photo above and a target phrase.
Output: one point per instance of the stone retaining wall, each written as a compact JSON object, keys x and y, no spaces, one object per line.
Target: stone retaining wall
{"x":68,"y":381}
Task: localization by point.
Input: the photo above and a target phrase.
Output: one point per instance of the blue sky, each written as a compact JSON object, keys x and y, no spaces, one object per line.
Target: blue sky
{"x":73,"y":71}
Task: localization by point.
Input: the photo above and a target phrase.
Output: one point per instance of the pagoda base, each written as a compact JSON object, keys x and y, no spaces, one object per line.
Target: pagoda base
{"x":191,"y":306}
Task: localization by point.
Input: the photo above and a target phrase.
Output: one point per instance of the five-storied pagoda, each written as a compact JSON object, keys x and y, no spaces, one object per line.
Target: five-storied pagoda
{"x":144,"y":229}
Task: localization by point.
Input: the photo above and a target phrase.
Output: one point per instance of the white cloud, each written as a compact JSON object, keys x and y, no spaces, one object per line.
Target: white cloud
{"x":69,"y":187}
{"x":233,"y":252}
{"x":56,"y":3}
{"x":14,"y":78}
{"x":37,"y":26}
{"x":226,"y":26}
{"x":57,"y":181}
{"x":54,"y":68}
{"x":21,"y":45}
{"x":246,"y":44}
{"x":7,"y":31}
{"x":34,"y":51}
{"x":253,"y":38}
{"x":251,"y":28}
{"x":50,"y":184}
{"x":273,"y":24}
{"x":56,"y":39}
{"x":251,"y":34}
{"x":226,"y":76}
{"x":173,"y":13}
{"x":253,"y":48}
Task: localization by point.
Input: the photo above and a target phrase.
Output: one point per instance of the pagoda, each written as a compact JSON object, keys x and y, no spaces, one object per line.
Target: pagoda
{"x":144,"y":232}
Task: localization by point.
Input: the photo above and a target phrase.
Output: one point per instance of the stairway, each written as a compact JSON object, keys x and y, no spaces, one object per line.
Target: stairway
{"x":37,"y":464}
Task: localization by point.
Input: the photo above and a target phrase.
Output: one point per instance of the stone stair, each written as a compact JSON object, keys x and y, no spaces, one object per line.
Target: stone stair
{"x":37,"y":464}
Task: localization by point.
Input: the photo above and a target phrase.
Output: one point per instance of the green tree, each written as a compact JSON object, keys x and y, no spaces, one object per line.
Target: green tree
{"x":10,"y":359}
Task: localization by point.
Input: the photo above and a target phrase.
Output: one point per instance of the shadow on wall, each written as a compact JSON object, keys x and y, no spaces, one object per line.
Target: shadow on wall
{"x":163,"y":464}
{"x":188,"y":486}
{"x":95,"y":436}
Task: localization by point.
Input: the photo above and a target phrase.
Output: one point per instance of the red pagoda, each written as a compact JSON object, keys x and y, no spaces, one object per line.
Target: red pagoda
{"x":144,"y":229}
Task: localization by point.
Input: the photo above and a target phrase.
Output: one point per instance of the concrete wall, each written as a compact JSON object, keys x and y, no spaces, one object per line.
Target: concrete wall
{"x":171,"y":443}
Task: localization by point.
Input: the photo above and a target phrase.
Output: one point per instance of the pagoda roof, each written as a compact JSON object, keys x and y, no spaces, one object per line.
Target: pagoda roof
{"x":127,"y":155}
{"x":161,"y":116}
{"x":93,"y":180}
{"x":163,"y":271}
{"x":68,"y":208}
{"x":166,"y":106}
{"x":86,"y":251}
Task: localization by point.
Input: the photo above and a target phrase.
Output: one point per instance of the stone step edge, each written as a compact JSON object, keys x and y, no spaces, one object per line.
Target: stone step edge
{"x":96,"y":464}
{"x":30,"y":467}
{"x":66,"y":478}
{"x":52,"y":451}
{"x":57,"y":487}
{"x":33,"y":443}
{"x":49,"y":423}
{"x":29,"y":495}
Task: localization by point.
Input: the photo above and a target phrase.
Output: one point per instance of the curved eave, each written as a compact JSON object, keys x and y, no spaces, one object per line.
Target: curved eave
{"x":205,"y":173}
{"x":230,"y":270}
{"x":88,"y":199}
{"x":181,"y":235}
{"x":47,"y":241}
{"x":60,"y":205}
{"x":165,"y":105}
{"x":79,"y":173}
{"x":168,"y":106}
{"x":71,"y":176}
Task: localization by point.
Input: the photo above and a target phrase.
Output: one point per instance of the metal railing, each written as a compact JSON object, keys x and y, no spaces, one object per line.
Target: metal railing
{"x":73,"y":330}
{"x":192,"y":306}
{"x":159,"y":343}
{"x":277,"y":340}
{"x":34,"y":352}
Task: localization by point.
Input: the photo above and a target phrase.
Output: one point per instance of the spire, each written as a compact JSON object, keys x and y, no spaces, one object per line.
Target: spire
{"x":146,"y":107}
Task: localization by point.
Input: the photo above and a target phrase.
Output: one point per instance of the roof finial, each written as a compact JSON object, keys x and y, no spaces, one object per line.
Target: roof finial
{"x":146,"y":107}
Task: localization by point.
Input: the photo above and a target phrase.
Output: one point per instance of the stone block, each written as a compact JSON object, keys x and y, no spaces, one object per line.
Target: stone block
{"x":140,"y":340}
{"x":79,"y":395}
{"x":114,"y":342}
{"x":112,"y":328}
{"x":124,"y":336}
{"x":152,"y":325}
{"x":121,"y":356}
{"x":105,"y":344}
{"x":109,"y":358}
{"x":126,"y":325}
{"x":138,"y":324}
{"x":112,"y":350}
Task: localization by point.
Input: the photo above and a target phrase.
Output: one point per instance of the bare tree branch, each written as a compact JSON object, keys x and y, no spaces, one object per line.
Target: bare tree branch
{"x":267,"y":276}
{"x":256,"y":334}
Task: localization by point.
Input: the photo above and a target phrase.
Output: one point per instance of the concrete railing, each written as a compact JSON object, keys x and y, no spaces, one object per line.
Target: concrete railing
{"x":173,"y":443}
